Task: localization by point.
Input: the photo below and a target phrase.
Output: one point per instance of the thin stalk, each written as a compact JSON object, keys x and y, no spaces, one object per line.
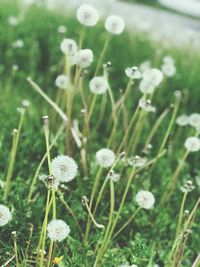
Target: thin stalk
{"x":126,"y":223}
{"x":181,"y":214}
{"x":13,"y":154}
{"x":16,"y":250}
{"x":92,"y":217}
{"x":112,"y":207}
{"x":101,"y":57}
{"x":32,"y":187}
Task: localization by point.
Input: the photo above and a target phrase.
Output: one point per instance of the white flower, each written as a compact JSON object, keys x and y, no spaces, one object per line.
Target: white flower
{"x":137,"y":161}
{"x":194,"y":120}
{"x":68,"y":47}
{"x":151,"y":79}
{"x":114,"y":24}
{"x":87,"y":15}
{"x":192,"y":144}
{"x":57,"y":230}
{"x":5,"y":215}
{"x":168,"y":69}
{"x":98,"y":85}
{"x":18,"y":44}
{"x":15,"y":67}
{"x":13,"y":21}
{"x":133,"y":73}
{"x":83,"y":58}
{"x":62,"y":81}
{"x":105,"y":157}
{"x":168,"y":60}
{"x":146,"y":65}
{"x":182,"y":120}
{"x":145,"y":199}
{"x":64,"y":168}
{"x":146,"y":105}
{"x":49,"y":180}
{"x":153,"y":75}
{"x":62,"y":29}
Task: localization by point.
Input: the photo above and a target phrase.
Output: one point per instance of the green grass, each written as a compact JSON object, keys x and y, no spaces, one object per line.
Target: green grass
{"x":41,"y":59}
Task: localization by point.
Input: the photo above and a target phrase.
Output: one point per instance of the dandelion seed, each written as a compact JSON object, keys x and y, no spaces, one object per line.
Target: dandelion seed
{"x":68,"y":47}
{"x":137,"y":161}
{"x":114,"y":24}
{"x":114,"y":176}
{"x":62,"y":81}
{"x":192,"y":144}
{"x":105,"y":157}
{"x":168,"y":60}
{"x":87,"y":15}
{"x":98,"y":85}
{"x":146,"y":105}
{"x":194,"y":120}
{"x":83,"y":58}
{"x":145,"y":199}
{"x":182,"y":120}
{"x":64,"y":168}
{"x":26,"y":103}
{"x":144,"y":66}
{"x":13,"y":21}
{"x":57,"y":230}
{"x":5,"y":215}
{"x":133,"y":73}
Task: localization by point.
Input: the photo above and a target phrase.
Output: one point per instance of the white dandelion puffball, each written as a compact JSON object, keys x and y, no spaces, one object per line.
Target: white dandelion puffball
{"x":153,"y":75}
{"x":168,"y":60}
{"x":133,"y":73}
{"x":64,"y":168}
{"x":98,"y":85}
{"x":13,"y":21}
{"x":192,"y":144}
{"x":62,"y":29}
{"x":168,"y":69}
{"x":182,"y":120}
{"x":83,"y":58}
{"x":145,"y":199}
{"x":147,"y":87}
{"x":57,"y":230}
{"x":194,"y":120}
{"x":114,"y":24}
{"x":105,"y":157}
{"x":62,"y":81}
{"x":87,"y":15}
{"x":18,"y":44}
{"x":5,"y":215}
{"x":68,"y":47}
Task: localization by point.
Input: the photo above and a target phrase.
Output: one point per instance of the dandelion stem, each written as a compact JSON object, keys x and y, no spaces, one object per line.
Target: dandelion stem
{"x":181,"y":214}
{"x":92,"y":217}
{"x":101,"y":57}
{"x":126,"y":223}
{"x":13,"y":154}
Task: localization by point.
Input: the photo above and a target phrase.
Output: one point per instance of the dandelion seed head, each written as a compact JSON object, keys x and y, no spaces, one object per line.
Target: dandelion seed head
{"x":15,"y":67}
{"x":62,"y":81}
{"x":133,"y":73}
{"x":194,"y":120}
{"x":57,"y":230}
{"x":192,"y":144}
{"x":98,"y":85}
{"x":68,"y":47}
{"x":5,"y":215}
{"x":146,"y":105}
{"x":13,"y":21}
{"x":114,"y":24}
{"x":62,"y":29}
{"x":18,"y":44}
{"x":168,"y":69}
{"x":105,"y":157}
{"x":182,"y":120}
{"x":49,"y":180}
{"x":83,"y":58}
{"x":145,"y":199}
{"x":187,"y":187}
{"x":87,"y":15}
{"x":151,"y":79}
{"x":64,"y":168}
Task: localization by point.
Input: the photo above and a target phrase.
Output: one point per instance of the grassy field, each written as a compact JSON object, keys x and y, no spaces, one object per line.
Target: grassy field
{"x":150,"y":238}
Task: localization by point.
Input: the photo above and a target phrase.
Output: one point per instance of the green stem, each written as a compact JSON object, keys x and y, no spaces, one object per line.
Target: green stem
{"x":13,"y":154}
